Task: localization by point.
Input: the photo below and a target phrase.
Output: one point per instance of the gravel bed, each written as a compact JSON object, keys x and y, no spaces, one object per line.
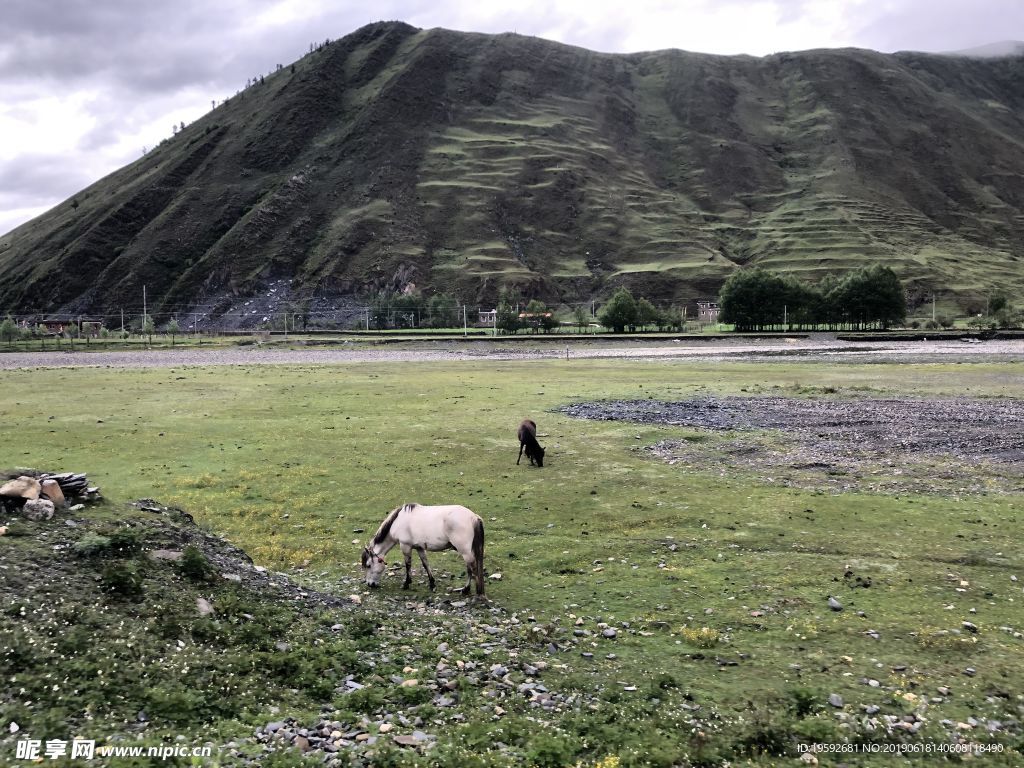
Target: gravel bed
{"x":815,"y":347}
{"x":945,"y":445}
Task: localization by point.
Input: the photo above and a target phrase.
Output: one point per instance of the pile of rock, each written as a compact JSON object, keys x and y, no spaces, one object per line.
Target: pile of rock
{"x":38,"y":495}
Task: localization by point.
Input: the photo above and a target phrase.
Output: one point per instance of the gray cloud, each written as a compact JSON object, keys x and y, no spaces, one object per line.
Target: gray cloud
{"x":939,"y":25}
{"x":146,"y":63}
{"x":34,"y":179}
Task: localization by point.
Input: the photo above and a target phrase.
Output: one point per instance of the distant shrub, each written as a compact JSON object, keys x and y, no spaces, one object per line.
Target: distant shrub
{"x":124,"y":542}
{"x":705,"y":637}
{"x":92,"y":545}
{"x":802,"y":701}
{"x":122,"y":580}
{"x":549,"y":751}
{"x":194,"y":564}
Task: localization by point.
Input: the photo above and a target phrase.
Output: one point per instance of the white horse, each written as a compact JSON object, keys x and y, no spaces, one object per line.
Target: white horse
{"x":434,"y":529}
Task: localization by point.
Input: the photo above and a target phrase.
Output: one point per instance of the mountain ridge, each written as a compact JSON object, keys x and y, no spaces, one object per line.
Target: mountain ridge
{"x":398,"y":159}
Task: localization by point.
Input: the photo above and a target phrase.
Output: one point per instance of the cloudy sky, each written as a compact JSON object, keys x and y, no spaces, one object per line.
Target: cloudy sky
{"x":87,"y":84}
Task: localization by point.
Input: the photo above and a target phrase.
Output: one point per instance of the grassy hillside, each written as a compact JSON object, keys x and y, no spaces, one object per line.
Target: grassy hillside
{"x":466,"y":162}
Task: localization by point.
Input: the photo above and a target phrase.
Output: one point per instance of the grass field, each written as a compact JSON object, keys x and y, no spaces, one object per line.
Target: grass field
{"x":722,"y":581}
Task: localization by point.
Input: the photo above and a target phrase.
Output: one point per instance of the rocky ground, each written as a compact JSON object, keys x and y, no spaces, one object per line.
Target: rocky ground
{"x":814,"y":347}
{"x":956,"y":445}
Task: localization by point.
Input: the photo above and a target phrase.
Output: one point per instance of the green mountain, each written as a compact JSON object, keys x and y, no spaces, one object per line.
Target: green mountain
{"x":398,"y":157}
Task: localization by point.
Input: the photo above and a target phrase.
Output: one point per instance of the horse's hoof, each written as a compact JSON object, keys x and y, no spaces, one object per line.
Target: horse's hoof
{"x":406,"y":585}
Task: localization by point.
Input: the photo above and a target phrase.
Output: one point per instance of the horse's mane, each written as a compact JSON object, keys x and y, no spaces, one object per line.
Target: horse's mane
{"x":385,"y":527}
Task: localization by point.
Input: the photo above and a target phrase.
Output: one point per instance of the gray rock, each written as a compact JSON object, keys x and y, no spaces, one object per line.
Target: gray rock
{"x":609,"y":633}
{"x":834,"y":604}
{"x":835,"y":700}
{"x":38,"y":509}
{"x":23,"y":487}
{"x":50,"y":489}
{"x":970,"y":671}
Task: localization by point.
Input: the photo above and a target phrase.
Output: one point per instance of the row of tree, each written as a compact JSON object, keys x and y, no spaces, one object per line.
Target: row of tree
{"x":758,"y":300}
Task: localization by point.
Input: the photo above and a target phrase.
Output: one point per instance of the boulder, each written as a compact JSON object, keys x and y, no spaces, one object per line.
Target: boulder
{"x":21,"y":488}
{"x":38,"y":509}
{"x":51,"y":490}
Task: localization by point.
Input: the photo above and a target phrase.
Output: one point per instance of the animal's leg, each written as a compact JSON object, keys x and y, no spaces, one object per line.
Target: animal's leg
{"x":423,"y":559}
{"x":521,"y":446}
{"x":479,"y":564}
{"x":407,"y":555}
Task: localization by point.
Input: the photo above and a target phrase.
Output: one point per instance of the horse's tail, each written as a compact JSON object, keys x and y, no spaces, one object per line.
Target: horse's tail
{"x":478,"y":554}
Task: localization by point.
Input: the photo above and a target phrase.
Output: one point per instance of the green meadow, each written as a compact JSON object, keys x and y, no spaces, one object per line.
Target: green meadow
{"x":718,"y":582}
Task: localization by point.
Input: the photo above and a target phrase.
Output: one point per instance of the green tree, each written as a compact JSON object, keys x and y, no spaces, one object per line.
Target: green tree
{"x":582,"y":317}
{"x":444,"y":311}
{"x":9,"y":330}
{"x":148,"y":327}
{"x":507,"y":319}
{"x":753,"y":299}
{"x":869,"y":296}
{"x":538,"y":316}
{"x":406,"y":310}
{"x":646,"y":313}
{"x":619,"y":312}
{"x":173,"y":328}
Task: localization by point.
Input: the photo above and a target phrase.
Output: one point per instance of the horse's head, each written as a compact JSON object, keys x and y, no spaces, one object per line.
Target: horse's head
{"x":540,"y":456}
{"x":373,"y":567}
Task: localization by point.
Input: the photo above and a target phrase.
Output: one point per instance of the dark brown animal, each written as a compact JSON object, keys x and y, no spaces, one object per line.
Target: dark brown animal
{"x":528,"y":442}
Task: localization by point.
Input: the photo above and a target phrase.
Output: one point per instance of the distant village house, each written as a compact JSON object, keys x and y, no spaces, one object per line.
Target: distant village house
{"x":707,"y":312}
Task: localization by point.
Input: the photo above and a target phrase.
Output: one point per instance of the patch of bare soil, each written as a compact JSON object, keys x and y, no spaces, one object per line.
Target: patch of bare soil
{"x":908,"y":445}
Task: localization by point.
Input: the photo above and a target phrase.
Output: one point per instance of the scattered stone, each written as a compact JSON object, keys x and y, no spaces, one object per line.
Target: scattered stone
{"x":834,"y":604}
{"x":385,"y":727}
{"x":171,"y":555}
{"x":970,"y":627}
{"x":232,"y":577}
{"x":50,"y":489}
{"x":495,"y":577}
{"x":835,"y":700}
{"x":944,"y":691}
{"x":203,"y":606}
{"x":23,"y":487}
{"x":3,"y":530}
{"x":38,"y":509}
{"x":609,"y":633}
{"x":970,"y":671}
{"x":412,"y":682}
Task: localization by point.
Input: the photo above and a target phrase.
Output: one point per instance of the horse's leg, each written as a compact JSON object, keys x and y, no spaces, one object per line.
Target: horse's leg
{"x":407,"y":554}
{"x":479,"y":565}
{"x":521,"y":446}
{"x":423,"y":559}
